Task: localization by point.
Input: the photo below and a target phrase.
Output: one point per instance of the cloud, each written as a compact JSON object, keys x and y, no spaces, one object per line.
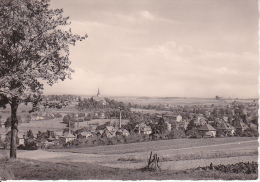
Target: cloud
{"x":155,"y":49}
{"x":147,"y":15}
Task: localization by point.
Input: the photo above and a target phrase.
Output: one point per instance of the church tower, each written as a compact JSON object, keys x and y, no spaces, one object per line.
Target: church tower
{"x":98,"y":94}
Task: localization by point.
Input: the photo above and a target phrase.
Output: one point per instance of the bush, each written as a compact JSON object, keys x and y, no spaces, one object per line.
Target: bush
{"x":174,"y":134}
{"x":111,"y":141}
{"x":6,"y":174}
{"x":242,"y":167}
{"x":146,"y":138}
{"x":29,"y":144}
{"x":155,"y":137}
{"x":220,"y":134}
{"x":193,"y":133}
{"x":249,"y":133}
{"x":120,"y":139}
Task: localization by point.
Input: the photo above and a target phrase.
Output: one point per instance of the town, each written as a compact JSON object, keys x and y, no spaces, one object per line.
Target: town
{"x":129,"y":90}
{"x":99,"y":120}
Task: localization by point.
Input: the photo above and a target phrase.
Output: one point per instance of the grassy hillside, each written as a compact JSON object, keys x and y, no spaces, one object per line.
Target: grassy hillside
{"x":155,"y":145}
{"x":35,"y":170}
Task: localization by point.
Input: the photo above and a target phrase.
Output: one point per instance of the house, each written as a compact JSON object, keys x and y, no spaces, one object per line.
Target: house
{"x":3,"y":133}
{"x":169,"y":126}
{"x":239,"y":126}
{"x":58,"y":134}
{"x":143,"y":128}
{"x":225,"y":118}
{"x":183,"y":125}
{"x":203,"y":129}
{"x":86,"y":134}
{"x":20,"y":138}
{"x":101,"y":115}
{"x":179,"y":118}
{"x":207,"y":113}
{"x":51,"y":136}
{"x":200,"y":120}
{"x":2,"y":124}
{"x":252,"y":126}
{"x":226,"y":129}
{"x":122,"y":132}
{"x":67,"y":137}
{"x":109,"y":132}
{"x":36,"y":118}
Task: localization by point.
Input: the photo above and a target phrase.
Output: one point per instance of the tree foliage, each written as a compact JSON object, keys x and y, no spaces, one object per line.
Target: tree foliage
{"x":34,"y":49}
{"x":8,"y":121}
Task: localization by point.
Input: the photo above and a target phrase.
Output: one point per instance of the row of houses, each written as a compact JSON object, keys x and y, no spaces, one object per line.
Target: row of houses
{"x":205,"y":130}
{"x":225,"y":129}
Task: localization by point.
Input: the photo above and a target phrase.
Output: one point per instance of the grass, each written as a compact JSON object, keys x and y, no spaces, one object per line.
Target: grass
{"x":193,"y":156}
{"x":35,"y":170}
{"x":205,"y":155}
{"x":154,"y":145}
{"x":176,"y":100}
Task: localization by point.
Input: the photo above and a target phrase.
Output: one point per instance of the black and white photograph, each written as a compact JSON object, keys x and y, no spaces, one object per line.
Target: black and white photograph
{"x":129,"y":90}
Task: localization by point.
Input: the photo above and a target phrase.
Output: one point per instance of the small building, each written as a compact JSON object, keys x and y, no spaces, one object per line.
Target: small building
{"x":3,"y":133}
{"x":67,"y":137}
{"x":122,"y":132}
{"x":225,"y":129}
{"x":179,"y":118}
{"x":101,"y":115}
{"x":203,"y":129}
{"x":36,"y":118}
{"x":143,"y":129}
{"x":109,"y":132}
{"x":183,"y":125}
{"x":2,"y":124}
{"x":252,"y":126}
{"x":200,"y":120}
{"x":58,"y":134}
{"x":240,"y":126}
{"x":169,"y":126}
{"x":225,"y":119}
{"x":20,"y":138}
{"x":86,"y":134}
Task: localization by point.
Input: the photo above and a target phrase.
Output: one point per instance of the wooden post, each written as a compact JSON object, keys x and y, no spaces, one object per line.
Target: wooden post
{"x":149,"y":161}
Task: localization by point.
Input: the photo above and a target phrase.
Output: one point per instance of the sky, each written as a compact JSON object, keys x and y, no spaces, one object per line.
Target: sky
{"x":163,"y":48}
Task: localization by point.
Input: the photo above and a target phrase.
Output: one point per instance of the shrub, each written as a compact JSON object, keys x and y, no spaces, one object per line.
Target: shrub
{"x":193,"y":133}
{"x":249,"y":133}
{"x":155,"y":137}
{"x":146,"y":138}
{"x":241,"y":167}
{"x":120,"y":139}
{"x":111,"y":141}
{"x":174,"y":134}
{"x":6,"y":174}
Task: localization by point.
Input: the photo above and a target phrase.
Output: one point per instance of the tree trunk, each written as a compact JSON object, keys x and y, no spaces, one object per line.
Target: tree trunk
{"x":14,"y":127}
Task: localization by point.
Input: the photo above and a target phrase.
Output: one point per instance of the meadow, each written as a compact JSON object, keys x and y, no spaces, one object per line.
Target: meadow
{"x":160,"y":145}
{"x":179,"y":158}
{"x":177,"y":100}
{"x":38,"y":170}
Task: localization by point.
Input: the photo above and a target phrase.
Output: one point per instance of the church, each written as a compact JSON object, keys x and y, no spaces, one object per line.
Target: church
{"x":99,"y":98}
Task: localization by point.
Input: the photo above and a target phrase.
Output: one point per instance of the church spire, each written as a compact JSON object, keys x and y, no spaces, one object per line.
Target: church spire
{"x":98,"y":94}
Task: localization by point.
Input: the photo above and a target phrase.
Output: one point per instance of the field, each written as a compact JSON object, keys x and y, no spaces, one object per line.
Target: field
{"x":176,"y":100}
{"x":38,"y":170}
{"x":178,"y":158}
{"x":56,"y":124}
{"x":136,"y":155}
